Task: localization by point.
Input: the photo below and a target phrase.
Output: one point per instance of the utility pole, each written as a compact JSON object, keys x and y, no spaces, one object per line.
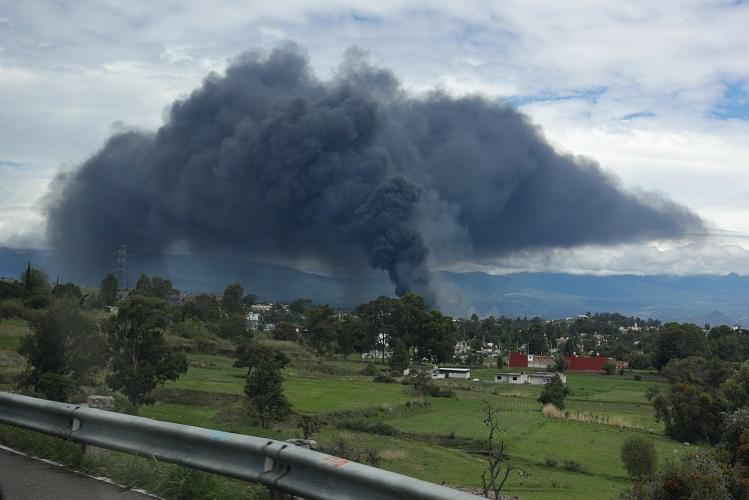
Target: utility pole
{"x":122,"y":266}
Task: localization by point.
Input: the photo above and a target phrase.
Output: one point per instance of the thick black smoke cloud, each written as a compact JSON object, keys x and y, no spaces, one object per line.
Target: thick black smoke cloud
{"x":269,"y":160}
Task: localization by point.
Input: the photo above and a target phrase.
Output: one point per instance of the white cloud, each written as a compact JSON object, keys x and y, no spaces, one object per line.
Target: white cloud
{"x":69,"y":70}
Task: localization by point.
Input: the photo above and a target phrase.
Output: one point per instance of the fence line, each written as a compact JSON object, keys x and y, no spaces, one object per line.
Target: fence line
{"x":276,"y":464}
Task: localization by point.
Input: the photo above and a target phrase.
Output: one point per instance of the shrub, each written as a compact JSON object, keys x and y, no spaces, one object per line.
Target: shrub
{"x":550,"y":462}
{"x":309,"y":425}
{"x":609,"y":368}
{"x":384,"y":378}
{"x":638,"y":377}
{"x":638,"y":455}
{"x":361,"y":425}
{"x":694,"y":476}
{"x":554,"y":392}
{"x":438,"y":392}
{"x":574,"y":466}
{"x":12,"y":309}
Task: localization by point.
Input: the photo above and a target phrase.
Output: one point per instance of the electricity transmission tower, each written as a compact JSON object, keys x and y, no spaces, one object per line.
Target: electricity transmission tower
{"x":122,"y":266}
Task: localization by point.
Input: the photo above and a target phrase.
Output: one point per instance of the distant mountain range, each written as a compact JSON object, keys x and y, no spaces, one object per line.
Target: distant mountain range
{"x":700,"y":298}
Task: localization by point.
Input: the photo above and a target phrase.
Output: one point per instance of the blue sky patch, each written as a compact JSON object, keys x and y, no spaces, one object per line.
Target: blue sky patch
{"x":590,"y":94}
{"x":733,"y":104}
{"x":637,"y":114}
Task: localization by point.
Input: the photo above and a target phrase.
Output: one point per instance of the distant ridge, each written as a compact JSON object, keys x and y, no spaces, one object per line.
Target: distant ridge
{"x":700,"y":298}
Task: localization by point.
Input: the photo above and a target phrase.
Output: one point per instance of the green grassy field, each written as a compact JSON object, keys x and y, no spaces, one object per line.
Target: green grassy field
{"x":432,"y":441}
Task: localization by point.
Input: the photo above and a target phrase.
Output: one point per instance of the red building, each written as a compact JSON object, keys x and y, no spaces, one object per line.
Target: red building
{"x":574,"y":363}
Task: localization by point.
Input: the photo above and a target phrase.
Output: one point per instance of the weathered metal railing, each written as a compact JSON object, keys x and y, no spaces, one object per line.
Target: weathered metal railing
{"x":276,"y":464}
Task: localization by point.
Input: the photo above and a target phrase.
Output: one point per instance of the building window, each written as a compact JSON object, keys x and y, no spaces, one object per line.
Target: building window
{"x":514,"y":378}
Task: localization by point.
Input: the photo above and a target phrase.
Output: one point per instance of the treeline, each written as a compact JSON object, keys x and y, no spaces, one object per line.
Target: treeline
{"x":706,"y":401}
{"x":73,"y":339}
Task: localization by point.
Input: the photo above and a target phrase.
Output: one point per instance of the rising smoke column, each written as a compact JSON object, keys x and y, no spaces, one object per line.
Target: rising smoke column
{"x":269,"y":160}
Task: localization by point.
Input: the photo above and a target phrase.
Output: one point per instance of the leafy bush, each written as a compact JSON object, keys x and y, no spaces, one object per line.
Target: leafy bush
{"x":12,"y":309}
{"x":554,"y":393}
{"x":694,"y":476}
{"x":574,"y":466}
{"x":309,"y":425}
{"x":609,"y":368}
{"x":638,"y":455}
{"x":438,"y":392}
{"x":384,"y":378}
{"x":361,"y":425}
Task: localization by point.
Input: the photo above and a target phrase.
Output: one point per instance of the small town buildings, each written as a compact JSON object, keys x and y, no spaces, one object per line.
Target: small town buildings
{"x":462,"y":373}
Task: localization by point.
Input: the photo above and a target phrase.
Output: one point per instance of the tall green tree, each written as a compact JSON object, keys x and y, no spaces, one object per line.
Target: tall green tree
{"x":400,"y":359}
{"x":37,"y":289}
{"x":349,"y":331}
{"x":231,"y":302}
{"x":320,"y":323}
{"x":380,"y":318}
{"x":161,"y":288}
{"x":233,"y":326}
{"x":250,"y":353}
{"x":63,"y":351}
{"x":108,"y":289}
{"x":299,"y":306}
{"x":678,"y":341}
{"x":436,"y":340}
{"x":285,"y":330}
{"x":264,"y":391}
{"x":143,"y":286}
{"x":140,"y":357}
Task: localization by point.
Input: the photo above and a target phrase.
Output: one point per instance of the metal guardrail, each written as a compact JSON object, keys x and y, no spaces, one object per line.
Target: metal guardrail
{"x":276,"y":464}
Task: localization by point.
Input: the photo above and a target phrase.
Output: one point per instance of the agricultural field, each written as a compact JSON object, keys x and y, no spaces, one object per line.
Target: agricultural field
{"x":436,"y":439}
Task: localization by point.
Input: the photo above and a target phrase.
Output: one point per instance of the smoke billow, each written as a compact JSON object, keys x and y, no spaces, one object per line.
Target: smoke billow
{"x":269,"y":160}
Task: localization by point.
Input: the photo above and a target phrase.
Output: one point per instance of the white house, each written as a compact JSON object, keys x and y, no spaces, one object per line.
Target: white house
{"x":527,"y":378}
{"x":510,"y":378}
{"x":252,"y":320}
{"x":463,"y":373}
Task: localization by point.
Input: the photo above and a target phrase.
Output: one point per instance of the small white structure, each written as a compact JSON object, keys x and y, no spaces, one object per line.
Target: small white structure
{"x":510,"y":378}
{"x":528,"y":378}
{"x":464,"y":373}
{"x":252,"y":320}
{"x":261,"y":307}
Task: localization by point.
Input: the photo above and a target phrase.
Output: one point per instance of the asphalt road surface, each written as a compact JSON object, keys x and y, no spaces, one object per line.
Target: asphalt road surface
{"x":24,"y":478}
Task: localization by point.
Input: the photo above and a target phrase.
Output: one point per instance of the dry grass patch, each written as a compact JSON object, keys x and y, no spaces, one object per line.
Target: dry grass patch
{"x":391,"y":454}
{"x":552,"y":411}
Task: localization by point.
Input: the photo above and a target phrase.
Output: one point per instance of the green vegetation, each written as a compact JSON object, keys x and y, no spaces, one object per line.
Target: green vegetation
{"x":436,"y":440}
{"x":305,"y":379}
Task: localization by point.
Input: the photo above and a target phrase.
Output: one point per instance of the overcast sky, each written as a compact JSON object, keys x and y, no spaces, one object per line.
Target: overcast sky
{"x":656,"y":92}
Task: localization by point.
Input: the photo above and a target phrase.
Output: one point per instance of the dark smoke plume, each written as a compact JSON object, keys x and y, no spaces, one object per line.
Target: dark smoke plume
{"x":269,"y":160}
